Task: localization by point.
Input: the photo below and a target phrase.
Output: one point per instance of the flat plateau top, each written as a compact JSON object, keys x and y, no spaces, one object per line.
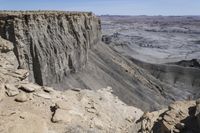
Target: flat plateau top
{"x":42,"y":12}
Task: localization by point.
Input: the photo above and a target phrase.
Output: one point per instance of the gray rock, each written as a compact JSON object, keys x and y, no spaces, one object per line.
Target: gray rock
{"x":29,"y":87}
{"x":43,"y":95}
{"x":5,"y":46}
{"x":48,"y":89}
{"x":55,"y":45}
{"x":76,"y":89}
{"x":22,"y":73}
{"x":63,"y":116}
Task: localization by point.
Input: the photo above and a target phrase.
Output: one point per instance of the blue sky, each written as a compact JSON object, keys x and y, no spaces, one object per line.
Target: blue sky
{"x":115,"y":7}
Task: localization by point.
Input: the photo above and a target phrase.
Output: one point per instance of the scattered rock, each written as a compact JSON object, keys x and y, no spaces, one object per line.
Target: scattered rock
{"x":43,"y":95}
{"x":98,"y":123}
{"x":61,"y":116}
{"x":48,"y":89}
{"x":91,"y":110}
{"x":130,"y":119}
{"x":22,"y":97}
{"x":109,"y":89}
{"x":62,"y":105}
{"x":76,"y":89}
{"x":29,"y":87}
{"x":11,"y":90}
{"x":22,"y":73}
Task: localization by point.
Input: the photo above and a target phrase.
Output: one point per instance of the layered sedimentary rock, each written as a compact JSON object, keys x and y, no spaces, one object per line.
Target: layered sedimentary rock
{"x":50,"y":44}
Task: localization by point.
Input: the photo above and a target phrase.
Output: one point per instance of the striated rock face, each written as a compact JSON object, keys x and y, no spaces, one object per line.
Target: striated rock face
{"x":50,"y":44}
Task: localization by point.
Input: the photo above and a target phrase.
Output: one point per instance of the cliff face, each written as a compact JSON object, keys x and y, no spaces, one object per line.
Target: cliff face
{"x":51,"y":45}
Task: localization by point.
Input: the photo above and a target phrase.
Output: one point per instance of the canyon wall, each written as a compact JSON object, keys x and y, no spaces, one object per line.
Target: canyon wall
{"x":63,"y":50}
{"x":50,"y":44}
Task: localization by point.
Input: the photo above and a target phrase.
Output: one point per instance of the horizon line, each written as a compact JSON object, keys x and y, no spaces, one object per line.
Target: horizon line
{"x":57,"y":10}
